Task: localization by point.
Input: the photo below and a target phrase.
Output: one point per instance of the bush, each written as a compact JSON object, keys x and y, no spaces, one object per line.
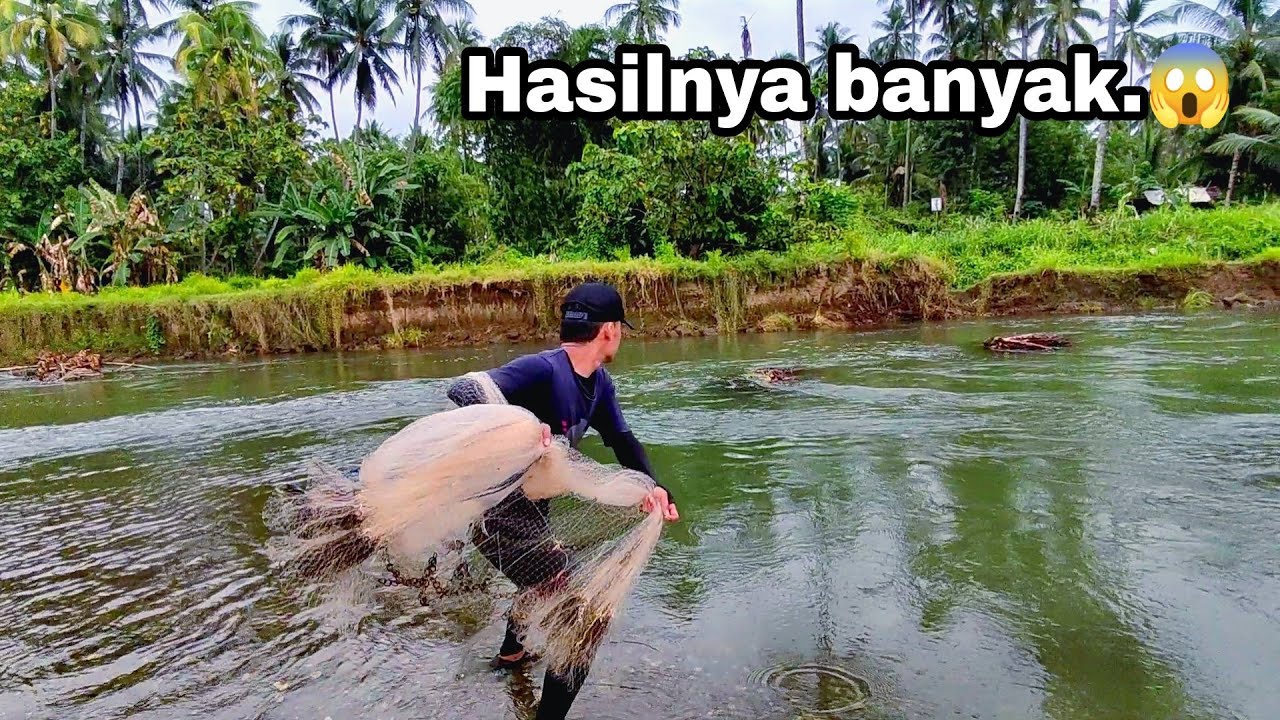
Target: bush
{"x":677,"y":183}
{"x":450,"y":209}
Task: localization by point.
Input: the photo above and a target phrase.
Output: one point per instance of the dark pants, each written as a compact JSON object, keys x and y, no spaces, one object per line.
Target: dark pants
{"x":515,"y":537}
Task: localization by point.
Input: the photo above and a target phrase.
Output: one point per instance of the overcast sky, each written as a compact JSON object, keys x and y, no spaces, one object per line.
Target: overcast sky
{"x":713,"y":23}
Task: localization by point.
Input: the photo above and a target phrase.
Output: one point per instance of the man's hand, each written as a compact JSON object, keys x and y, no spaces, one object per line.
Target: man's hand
{"x":658,"y":498}
{"x":546,"y":435}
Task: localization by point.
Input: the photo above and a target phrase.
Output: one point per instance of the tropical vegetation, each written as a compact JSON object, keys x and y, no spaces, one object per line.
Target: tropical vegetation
{"x":122,"y":164}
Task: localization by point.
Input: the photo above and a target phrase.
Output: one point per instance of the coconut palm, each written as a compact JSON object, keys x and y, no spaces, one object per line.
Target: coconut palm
{"x":223,"y":53}
{"x":1022,"y":15}
{"x":1263,"y":147}
{"x":1247,"y":34}
{"x":1135,"y":42}
{"x":292,"y":72}
{"x":126,"y":75}
{"x":1095,"y":196}
{"x":644,"y":20}
{"x":804,"y":151}
{"x":81,"y":82}
{"x":51,"y":31}
{"x":1060,"y":26}
{"x":950,"y":17}
{"x":465,"y":34}
{"x":984,"y":32}
{"x":368,"y":32}
{"x":913,"y":12}
{"x":829,"y":35}
{"x":896,"y":41}
{"x":800,"y":31}
{"x":320,"y":39}
{"x":426,"y":31}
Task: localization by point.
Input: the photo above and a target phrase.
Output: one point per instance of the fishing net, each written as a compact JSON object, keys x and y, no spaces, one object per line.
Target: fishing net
{"x":455,"y":496}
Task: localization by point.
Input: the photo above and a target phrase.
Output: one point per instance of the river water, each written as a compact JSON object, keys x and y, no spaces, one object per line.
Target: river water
{"x":914,"y":529}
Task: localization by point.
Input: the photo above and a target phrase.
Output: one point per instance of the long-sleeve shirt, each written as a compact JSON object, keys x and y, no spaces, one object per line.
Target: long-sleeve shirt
{"x":546,"y":384}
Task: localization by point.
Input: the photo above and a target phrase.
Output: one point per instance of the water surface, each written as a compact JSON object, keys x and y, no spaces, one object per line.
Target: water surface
{"x":914,"y":529}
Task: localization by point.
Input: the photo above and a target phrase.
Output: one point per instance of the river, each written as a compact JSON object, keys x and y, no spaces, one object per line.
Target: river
{"x":915,"y":528}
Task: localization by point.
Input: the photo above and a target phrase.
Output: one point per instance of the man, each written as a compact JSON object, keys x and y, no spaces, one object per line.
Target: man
{"x":569,"y":390}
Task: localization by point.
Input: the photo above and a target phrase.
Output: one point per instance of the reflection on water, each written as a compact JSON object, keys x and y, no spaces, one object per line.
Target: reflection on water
{"x":912,"y":528}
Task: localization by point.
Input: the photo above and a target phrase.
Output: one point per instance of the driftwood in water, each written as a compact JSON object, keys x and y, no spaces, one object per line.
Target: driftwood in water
{"x":59,"y":366}
{"x":52,"y":366}
{"x":1030,"y":342}
{"x":773,"y":375}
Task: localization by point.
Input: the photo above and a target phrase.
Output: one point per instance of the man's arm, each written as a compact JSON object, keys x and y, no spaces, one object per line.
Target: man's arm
{"x":616,"y":434}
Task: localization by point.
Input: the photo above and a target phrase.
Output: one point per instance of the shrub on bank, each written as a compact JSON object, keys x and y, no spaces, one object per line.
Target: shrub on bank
{"x":969,"y":249}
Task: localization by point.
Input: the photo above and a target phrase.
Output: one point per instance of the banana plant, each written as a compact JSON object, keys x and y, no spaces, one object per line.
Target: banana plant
{"x":352,"y":210}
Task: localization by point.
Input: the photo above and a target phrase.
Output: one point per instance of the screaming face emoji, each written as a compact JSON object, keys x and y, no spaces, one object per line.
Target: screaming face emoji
{"x":1189,"y":86}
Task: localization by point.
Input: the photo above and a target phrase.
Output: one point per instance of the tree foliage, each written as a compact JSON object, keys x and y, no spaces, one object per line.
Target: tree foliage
{"x":230,"y":175}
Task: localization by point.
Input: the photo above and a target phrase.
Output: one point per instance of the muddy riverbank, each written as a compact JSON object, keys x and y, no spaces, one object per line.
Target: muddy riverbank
{"x":851,"y":294}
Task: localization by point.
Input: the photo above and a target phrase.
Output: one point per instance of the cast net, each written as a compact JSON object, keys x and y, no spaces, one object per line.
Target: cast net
{"x":457,"y":499}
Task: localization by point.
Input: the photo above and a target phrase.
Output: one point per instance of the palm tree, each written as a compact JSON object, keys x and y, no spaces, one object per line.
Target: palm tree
{"x":169,"y":28}
{"x":800,"y":31}
{"x":321,"y":40}
{"x":829,"y":35}
{"x":82,"y":92}
{"x":1022,"y":14}
{"x":644,"y":20}
{"x":951,"y":16}
{"x":1095,"y":196}
{"x":1264,"y":147}
{"x":1247,"y":34}
{"x":746,"y":38}
{"x":1231,"y":18}
{"x":126,"y":77}
{"x":223,"y":53}
{"x":1134,"y":40}
{"x":1245,"y":31}
{"x":49,"y":29}
{"x":804,"y":151}
{"x":368,"y":41}
{"x":984,"y":32}
{"x":913,"y":9}
{"x":292,"y":72}
{"x":1060,"y":25}
{"x":824,"y":125}
{"x":465,"y":34}
{"x":896,"y":41}
{"x":425,"y":30}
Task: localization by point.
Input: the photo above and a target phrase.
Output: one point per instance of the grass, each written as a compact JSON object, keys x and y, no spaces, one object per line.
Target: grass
{"x":306,"y":311}
{"x":975,"y":250}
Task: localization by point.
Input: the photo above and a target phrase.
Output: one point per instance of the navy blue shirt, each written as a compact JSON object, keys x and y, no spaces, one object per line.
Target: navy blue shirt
{"x":546,"y":384}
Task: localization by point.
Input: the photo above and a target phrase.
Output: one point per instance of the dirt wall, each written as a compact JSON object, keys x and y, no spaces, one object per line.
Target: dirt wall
{"x":851,"y":294}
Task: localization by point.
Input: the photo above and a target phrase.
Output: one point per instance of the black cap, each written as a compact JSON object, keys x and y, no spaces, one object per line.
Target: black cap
{"x":594,"y":302}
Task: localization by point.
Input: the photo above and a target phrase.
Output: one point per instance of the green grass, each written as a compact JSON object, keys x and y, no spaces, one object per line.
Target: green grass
{"x":976,"y":249}
{"x":759,"y":265}
{"x":305,"y":311}
{"x":970,"y":250}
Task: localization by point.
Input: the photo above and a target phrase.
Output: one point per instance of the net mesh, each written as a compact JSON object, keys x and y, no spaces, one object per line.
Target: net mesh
{"x":458,"y":498}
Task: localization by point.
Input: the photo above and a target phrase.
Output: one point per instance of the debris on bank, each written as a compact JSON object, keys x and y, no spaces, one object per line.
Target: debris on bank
{"x":1029,"y":342}
{"x":61,"y":367}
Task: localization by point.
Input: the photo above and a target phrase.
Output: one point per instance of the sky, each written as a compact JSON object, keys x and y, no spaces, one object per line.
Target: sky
{"x":712,"y":23}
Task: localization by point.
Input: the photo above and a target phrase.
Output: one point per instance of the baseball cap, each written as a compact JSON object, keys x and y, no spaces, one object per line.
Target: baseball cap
{"x":594,"y":302}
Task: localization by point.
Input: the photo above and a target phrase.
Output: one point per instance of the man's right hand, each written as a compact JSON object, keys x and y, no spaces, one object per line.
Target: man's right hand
{"x":657,"y":498}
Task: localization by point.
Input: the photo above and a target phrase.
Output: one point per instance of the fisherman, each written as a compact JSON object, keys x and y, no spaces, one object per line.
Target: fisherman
{"x":569,"y":390}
